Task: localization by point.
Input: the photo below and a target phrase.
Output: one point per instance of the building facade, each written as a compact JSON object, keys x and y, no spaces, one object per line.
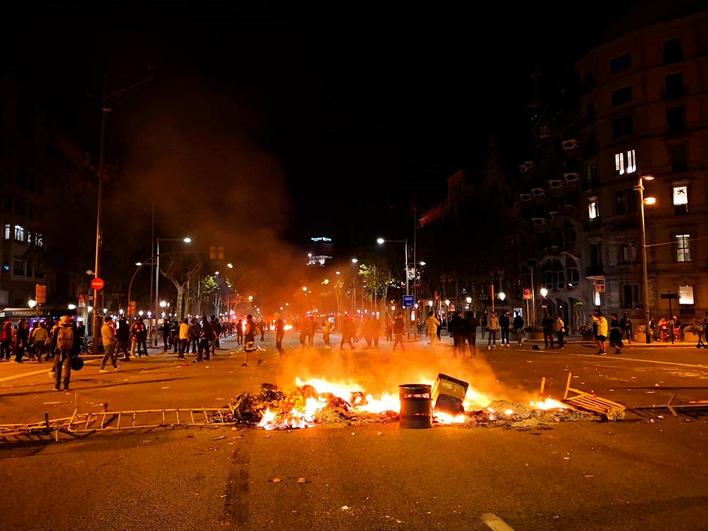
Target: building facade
{"x":645,"y":113}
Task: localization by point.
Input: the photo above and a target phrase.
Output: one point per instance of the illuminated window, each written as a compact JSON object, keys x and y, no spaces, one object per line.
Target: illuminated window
{"x":8,"y":231}
{"x":598,"y":300}
{"x":19,"y":233}
{"x":593,"y":210}
{"x":683,"y":247}
{"x":686,"y":295}
{"x":619,"y":163}
{"x":38,"y":240}
{"x":680,"y":195}
{"x":631,"y":161}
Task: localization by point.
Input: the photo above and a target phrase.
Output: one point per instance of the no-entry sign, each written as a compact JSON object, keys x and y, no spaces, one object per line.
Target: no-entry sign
{"x":97,"y":283}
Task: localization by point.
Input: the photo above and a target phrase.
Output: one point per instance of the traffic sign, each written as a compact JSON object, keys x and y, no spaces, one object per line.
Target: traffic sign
{"x":408,"y":301}
{"x":97,"y":284}
{"x":527,"y":294}
{"x":40,"y":293}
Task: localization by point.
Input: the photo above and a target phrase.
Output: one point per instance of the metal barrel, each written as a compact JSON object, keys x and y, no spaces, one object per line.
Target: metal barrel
{"x":416,"y":406}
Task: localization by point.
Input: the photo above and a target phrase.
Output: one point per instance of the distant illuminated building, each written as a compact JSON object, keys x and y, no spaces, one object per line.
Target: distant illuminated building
{"x":320,"y":250}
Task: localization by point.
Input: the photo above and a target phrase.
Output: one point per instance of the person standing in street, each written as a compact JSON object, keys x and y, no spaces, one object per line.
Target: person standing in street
{"x":457,"y":330}
{"x":626,"y":328}
{"x":471,"y":324}
{"x":165,"y":335}
{"x":63,"y":346}
{"x":205,"y":337}
{"x":504,"y":324}
{"x":194,"y":331}
{"x":40,"y":339}
{"x":239,"y":332}
{"x":616,"y":334}
{"x":139,"y":333}
{"x":22,"y":339}
{"x":326,"y":330}
{"x":431,"y":328}
{"x":123,"y":339}
{"x":559,"y":327}
{"x":547,"y":324}
{"x":348,"y":331}
{"x":601,"y":332}
{"x":519,"y":327}
{"x":702,"y":327}
{"x":279,"y":334}
{"x":399,"y":329}
{"x":183,"y":338}
{"x":493,"y":329}
{"x":108,"y":337}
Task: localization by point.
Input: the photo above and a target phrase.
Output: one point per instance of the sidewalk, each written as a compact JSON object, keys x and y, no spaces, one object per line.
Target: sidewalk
{"x":633,"y":344}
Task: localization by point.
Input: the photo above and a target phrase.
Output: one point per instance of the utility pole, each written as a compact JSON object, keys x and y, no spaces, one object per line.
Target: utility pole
{"x":99,"y":204}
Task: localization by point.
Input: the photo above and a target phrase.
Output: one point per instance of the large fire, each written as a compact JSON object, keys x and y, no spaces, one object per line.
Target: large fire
{"x":300,"y":409}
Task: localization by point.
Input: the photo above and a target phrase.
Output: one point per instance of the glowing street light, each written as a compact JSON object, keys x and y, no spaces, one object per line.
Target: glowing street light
{"x":422,"y":263}
{"x":469,"y":300}
{"x":140,"y":313}
{"x":645,"y":272}
{"x":230,"y":265}
{"x":380,"y":241}
{"x":544,"y":292}
{"x":163,"y":304}
{"x":71,"y":306}
{"x":502,"y":296}
{"x":31,"y":303}
{"x":355,"y":260}
{"x":187,"y":239}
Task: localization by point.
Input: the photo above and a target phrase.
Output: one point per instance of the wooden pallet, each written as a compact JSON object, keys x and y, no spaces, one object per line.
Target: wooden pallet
{"x":591,"y":402}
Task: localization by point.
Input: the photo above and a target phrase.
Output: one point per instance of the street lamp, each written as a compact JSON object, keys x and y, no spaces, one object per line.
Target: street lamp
{"x":645,"y":273}
{"x":71,"y":306}
{"x":32,"y":303}
{"x":544,"y":292}
{"x":502,"y":296}
{"x":355,"y":260}
{"x":138,"y":265}
{"x":381,"y":241}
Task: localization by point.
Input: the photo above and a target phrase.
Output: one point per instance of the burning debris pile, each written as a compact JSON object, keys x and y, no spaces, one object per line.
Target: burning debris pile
{"x":451,"y":401}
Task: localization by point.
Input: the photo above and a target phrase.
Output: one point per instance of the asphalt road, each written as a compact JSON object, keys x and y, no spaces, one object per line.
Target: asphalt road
{"x":647,"y":472}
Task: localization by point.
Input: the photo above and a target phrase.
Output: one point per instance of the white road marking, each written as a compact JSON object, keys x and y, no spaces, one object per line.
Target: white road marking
{"x":616,"y":357}
{"x":25,"y":374}
{"x":619,"y":357}
{"x":496,"y":523}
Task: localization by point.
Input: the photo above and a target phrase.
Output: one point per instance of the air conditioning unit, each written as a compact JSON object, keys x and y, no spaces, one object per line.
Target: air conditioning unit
{"x":569,"y":144}
{"x":538,"y":192}
{"x":525,"y":197}
{"x":555,"y":183}
{"x":538,"y":221}
{"x":571,"y":177}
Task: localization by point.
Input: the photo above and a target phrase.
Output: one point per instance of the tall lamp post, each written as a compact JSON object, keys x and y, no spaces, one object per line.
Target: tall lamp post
{"x":645,"y":271}
{"x":381,"y":241}
{"x":105,"y":109}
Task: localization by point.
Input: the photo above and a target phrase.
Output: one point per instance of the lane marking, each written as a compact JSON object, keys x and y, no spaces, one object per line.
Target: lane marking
{"x":617,"y":357}
{"x":33,"y":373}
{"x":496,"y":523}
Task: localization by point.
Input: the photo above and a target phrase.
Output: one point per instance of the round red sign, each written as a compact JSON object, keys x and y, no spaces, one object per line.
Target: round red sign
{"x":97,"y":283}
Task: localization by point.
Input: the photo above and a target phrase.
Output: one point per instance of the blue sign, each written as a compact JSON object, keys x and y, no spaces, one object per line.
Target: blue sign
{"x":408,"y":301}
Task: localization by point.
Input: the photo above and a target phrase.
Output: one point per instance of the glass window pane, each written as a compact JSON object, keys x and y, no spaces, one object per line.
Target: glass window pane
{"x":680,"y":195}
{"x":685,"y":294}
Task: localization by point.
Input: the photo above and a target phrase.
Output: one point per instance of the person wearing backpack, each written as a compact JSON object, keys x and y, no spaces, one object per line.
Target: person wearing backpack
{"x":63,"y":344}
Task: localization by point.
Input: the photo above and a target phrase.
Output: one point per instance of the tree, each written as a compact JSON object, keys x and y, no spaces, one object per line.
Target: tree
{"x":180,"y":270}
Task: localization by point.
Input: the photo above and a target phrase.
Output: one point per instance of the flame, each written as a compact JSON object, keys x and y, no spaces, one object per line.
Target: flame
{"x":287,"y":327}
{"x":299,"y":409}
{"x":446,"y":418}
{"x":547,"y":403}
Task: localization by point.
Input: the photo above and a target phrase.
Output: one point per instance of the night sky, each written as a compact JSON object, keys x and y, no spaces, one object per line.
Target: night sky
{"x":360,"y":106}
